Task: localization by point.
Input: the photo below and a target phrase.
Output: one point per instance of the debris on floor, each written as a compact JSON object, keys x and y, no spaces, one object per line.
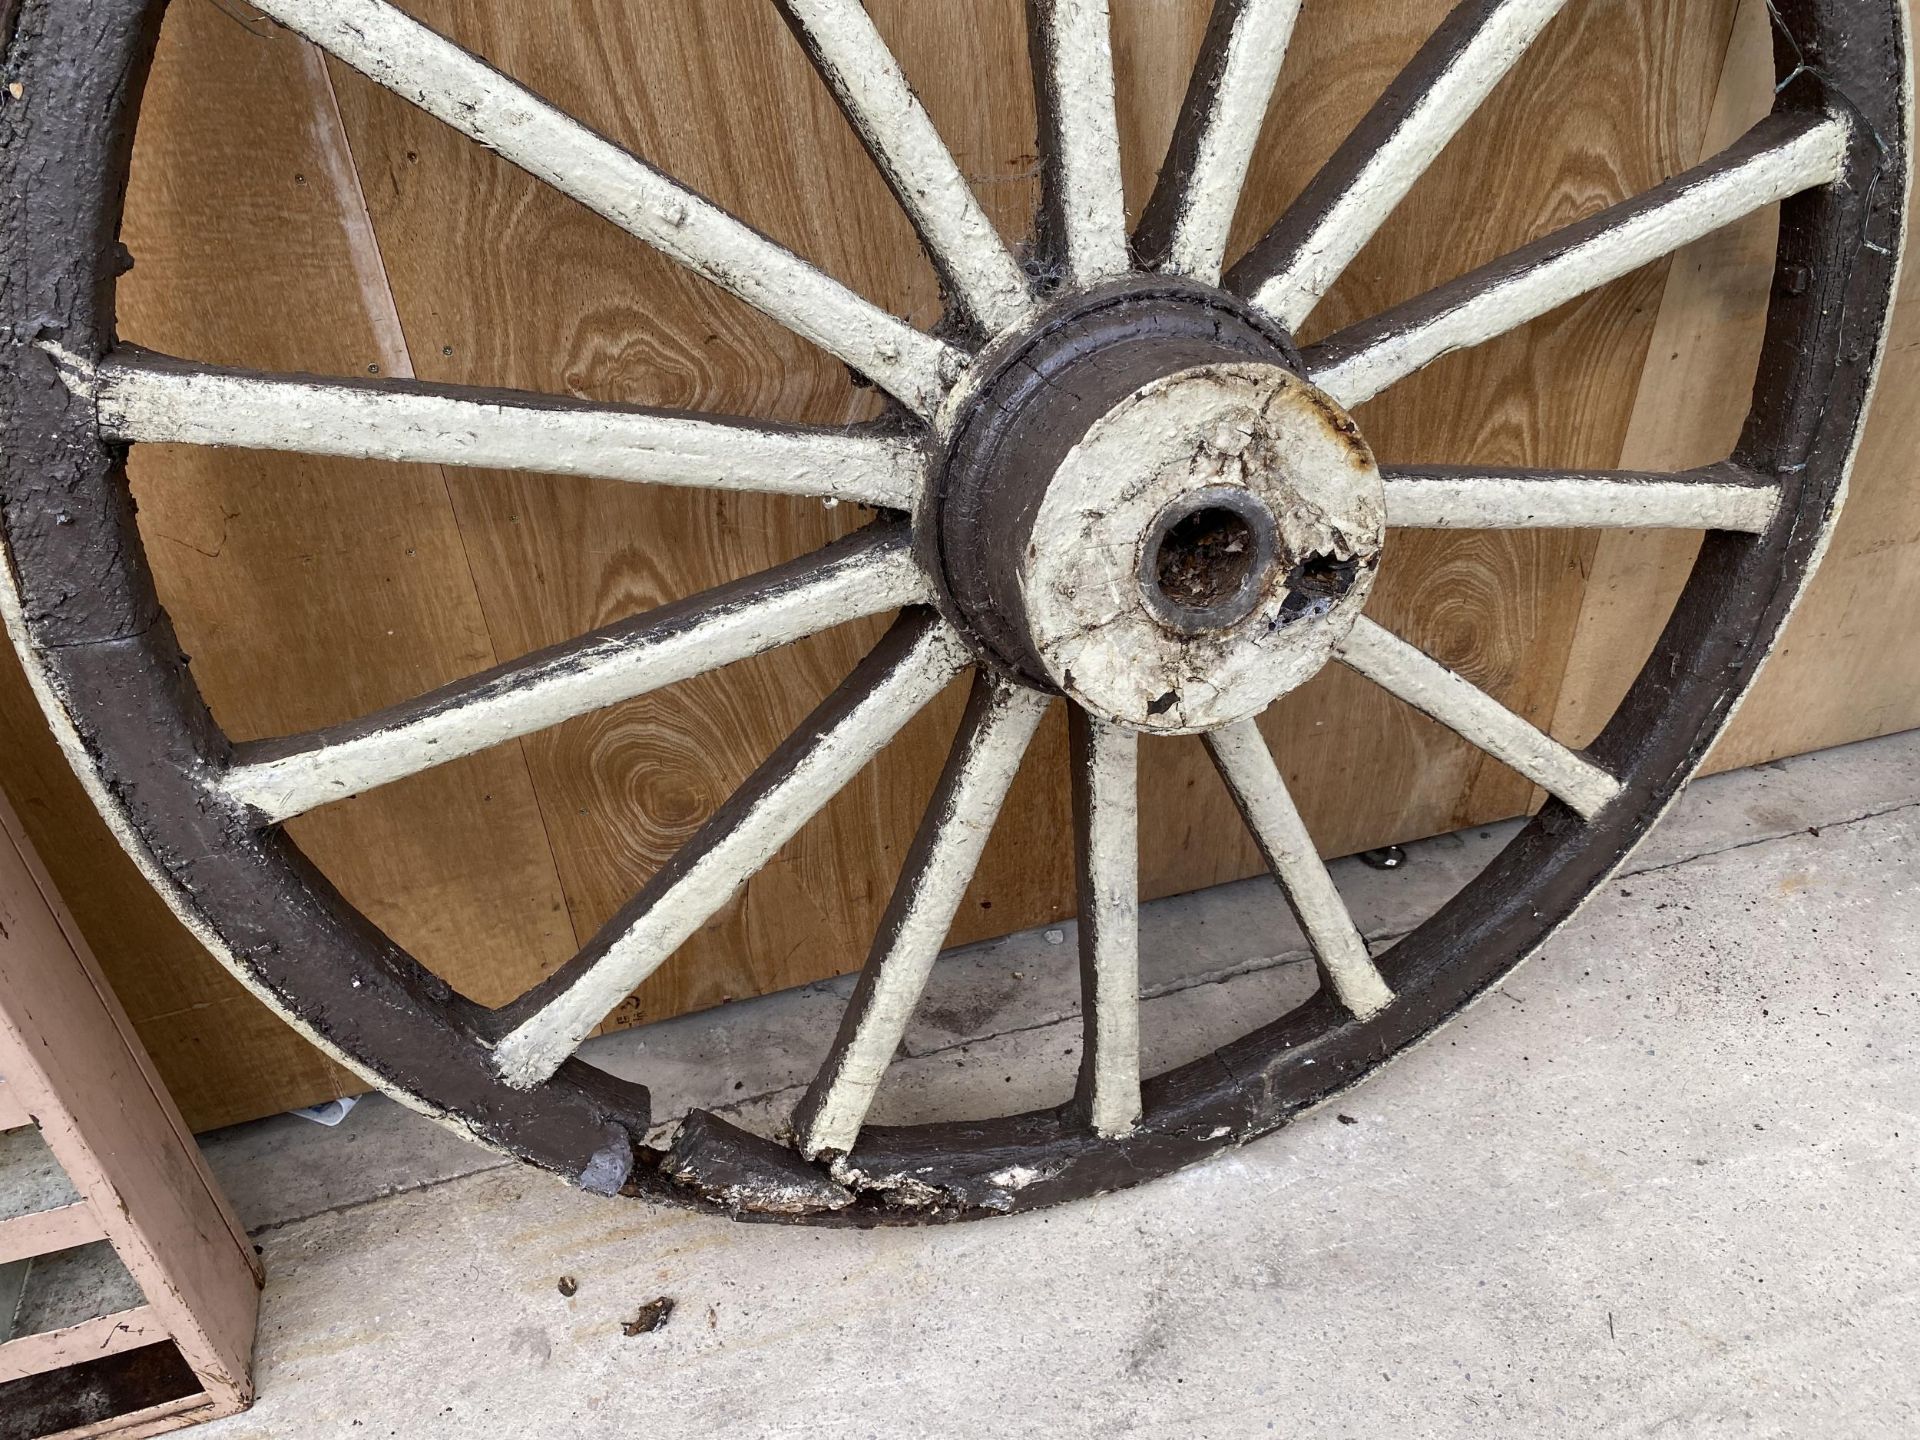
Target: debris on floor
{"x":653,"y":1315}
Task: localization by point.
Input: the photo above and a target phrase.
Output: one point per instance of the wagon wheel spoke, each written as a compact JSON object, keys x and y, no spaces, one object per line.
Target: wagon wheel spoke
{"x":864,"y":574}
{"x":1445,"y":497}
{"x":1460,"y":705}
{"x":910,"y":666}
{"x":1346,"y":203}
{"x":1241,"y":755}
{"x":1184,"y":229}
{"x":1000,"y":722}
{"x":861,"y":70}
{"x":1780,"y":157}
{"x":1085,"y":218}
{"x":458,"y":88}
{"x":142,"y":397}
{"x":1106,"y":832}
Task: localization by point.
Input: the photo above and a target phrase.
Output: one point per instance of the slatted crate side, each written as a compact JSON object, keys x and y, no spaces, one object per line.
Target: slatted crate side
{"x":73,"y":1065}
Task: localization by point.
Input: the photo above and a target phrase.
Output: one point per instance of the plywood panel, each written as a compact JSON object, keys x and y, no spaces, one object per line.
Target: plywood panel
{"x":1690,"y":403}
{"x":306,"y":590}
{"x":1848,"y":666}
{"x":1614,"y":97}
{"x":288,"y":213}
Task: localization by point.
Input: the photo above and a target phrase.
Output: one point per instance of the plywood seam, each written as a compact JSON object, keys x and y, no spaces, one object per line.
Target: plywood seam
{"x":1593,"y":544}
{"x":1590,"y":544}
{"x":387,"y":316}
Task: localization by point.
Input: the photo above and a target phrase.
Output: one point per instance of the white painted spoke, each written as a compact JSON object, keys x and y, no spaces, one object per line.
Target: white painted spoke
{"x":1781,"y":156}
{"x":1106,"y":824}
{"x":149,"y":398}
{"x":1459,"y":498}
{"x":1240,"y":753}
{"x":1192,"y":209}
{"x":1000,"y":721}
{"x":919,"y":656}
{"x":1296,"y":263}
{"x":1460,"y":705}
{"x":866,"y":78}
{"x":864,"y":574}
{"x":465,"y":92}
{"x":1080,"y":137}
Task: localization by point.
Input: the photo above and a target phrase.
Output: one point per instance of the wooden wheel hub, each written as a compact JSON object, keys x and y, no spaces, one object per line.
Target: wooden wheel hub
{"x":1171,"y":528}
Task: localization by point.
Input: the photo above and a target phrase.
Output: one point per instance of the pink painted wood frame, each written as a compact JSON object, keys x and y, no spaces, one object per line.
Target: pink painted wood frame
{"x":71,"y":1064}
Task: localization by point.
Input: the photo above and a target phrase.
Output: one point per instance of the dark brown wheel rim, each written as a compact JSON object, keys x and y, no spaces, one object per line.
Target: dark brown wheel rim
{"x":82,"y":610}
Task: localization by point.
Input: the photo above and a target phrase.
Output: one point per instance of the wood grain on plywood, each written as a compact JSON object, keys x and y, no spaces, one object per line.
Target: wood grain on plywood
{"x":1689,"y":404}
{"x":287,"y":213}
{"x":1613,"y":98}
{"x":559,"y":301}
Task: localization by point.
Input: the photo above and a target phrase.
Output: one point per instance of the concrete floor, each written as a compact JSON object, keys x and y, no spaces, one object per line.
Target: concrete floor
{"x":1665,"y":1182}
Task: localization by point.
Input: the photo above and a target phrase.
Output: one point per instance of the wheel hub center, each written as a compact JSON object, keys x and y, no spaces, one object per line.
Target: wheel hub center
{"x":1169,"y":526}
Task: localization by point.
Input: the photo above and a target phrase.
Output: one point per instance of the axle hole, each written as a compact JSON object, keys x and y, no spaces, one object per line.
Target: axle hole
{"x":1205,"y":558}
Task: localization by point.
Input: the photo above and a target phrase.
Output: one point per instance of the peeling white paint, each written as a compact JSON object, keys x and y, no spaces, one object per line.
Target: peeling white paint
{"x":1244,"y":425}
{"x":570,"y":680}
{"x":462,"y":90}
{"x":1107,"y":822}
{"x":1549,"y":500}
{"x":727,"y":852}
{"x":1418,"y":135}
{"x":903,"y":142}
{"x":1255,"y":52}
{"x":1247,"y":765}
{"x":1470,"y":712}
{"x":900,"y":1189}
{"x":1017,"y":1177}
{"x":144,"y":400}
{"x":1086,"y":163}
{"x":939,"y":868}
{"x":1697,"y":204}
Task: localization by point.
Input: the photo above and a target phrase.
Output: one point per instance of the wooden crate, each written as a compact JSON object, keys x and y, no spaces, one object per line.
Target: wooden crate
{"x":72,"y":1066}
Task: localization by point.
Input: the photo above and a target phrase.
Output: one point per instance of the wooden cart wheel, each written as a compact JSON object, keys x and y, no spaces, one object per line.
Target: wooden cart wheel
{"x":1109,"y":479}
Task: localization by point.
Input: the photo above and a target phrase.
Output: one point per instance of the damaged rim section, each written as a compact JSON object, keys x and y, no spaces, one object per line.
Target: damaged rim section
{"x":1119,"y":488}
